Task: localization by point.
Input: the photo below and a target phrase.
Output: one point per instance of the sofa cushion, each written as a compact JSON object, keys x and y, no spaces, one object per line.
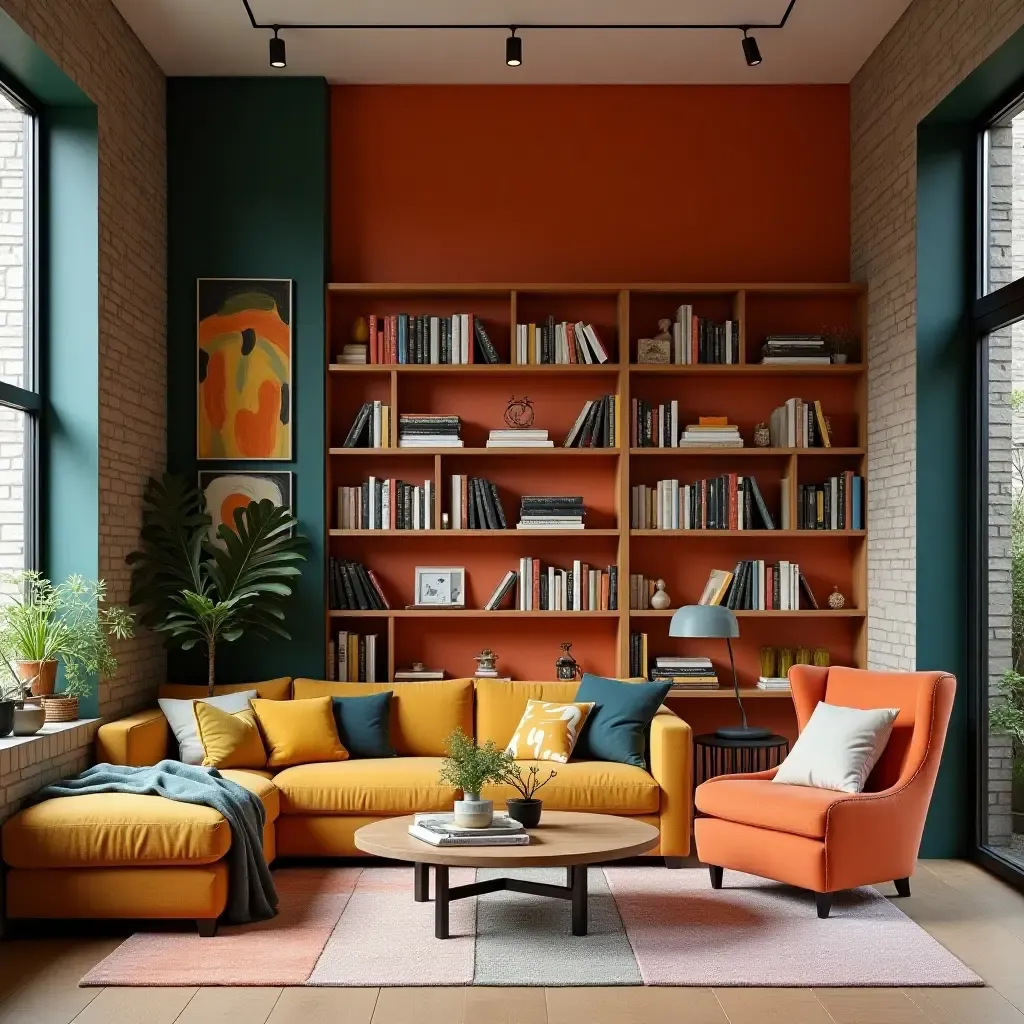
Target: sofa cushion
{"x":800,"y":810}
{"x":500,"y":705}
{"x":618,"y":726}
{"x":364,"y":724}
{"x":394,"y":785}
{"x":299,"y":731}
{"x":229,"y":740}
{"x":423,"y":715}
{"x":590,"y":786}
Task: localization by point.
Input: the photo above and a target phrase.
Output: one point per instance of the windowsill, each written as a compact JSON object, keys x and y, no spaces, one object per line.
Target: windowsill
{"x":87,"y":727}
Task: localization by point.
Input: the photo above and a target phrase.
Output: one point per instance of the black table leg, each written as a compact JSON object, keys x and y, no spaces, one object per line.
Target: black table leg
{"x":578,"y":884}
{"x":421,"y":884}
{"x":440,"y":901}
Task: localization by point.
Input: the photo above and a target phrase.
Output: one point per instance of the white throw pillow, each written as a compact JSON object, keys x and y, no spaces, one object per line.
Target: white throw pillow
{"x":182,"y":720}
{"x":838,"y":748}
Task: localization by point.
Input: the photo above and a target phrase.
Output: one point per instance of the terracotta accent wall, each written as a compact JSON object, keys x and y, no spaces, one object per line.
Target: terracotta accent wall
{"x":590,"y":183}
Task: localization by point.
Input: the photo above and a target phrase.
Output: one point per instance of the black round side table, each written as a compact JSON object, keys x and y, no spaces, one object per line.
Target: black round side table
{"x":716,"y":755}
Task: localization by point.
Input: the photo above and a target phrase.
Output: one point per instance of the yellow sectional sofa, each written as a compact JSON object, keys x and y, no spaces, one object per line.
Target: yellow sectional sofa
{"x":115,"y":855}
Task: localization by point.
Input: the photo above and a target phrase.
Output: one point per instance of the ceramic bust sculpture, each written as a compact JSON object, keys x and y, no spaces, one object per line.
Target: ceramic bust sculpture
{"x":660,"y":599}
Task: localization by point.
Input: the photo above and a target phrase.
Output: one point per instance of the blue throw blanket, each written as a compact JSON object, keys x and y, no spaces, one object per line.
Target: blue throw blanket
{"x":251,"y":892}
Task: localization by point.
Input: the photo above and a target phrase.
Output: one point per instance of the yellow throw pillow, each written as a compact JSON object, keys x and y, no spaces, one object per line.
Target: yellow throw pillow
{"x":299,"y":731}
{"x":547,"y":731}
{"x":230,"y":740}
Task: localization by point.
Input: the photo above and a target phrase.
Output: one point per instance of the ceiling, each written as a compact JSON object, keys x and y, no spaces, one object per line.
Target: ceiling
{"x":823,"y":41}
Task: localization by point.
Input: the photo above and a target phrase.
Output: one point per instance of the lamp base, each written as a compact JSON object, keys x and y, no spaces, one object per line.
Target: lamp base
{"x":743,"y":732}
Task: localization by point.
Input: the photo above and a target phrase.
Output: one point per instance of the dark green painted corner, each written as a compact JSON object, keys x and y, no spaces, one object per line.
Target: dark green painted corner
{"x":247,"y":174}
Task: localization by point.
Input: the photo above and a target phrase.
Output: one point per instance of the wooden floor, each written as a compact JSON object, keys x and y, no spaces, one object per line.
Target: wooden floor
{"x":973,"y":914}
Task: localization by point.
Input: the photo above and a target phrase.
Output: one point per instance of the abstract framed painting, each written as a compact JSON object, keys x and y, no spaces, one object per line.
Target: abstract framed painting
{"x":244,"y":368}
{"x":225,"y":492}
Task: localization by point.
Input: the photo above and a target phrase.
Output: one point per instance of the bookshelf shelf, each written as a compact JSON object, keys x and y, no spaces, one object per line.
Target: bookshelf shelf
{"x":746,"y":392}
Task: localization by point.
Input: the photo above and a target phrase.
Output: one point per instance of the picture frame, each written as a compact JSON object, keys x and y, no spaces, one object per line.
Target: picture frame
{"x":440,"y":586}
{"x":225,"y":490}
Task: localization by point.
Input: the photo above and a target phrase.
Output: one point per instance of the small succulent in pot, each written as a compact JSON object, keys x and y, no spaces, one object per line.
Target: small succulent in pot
{"x":525,"y":809}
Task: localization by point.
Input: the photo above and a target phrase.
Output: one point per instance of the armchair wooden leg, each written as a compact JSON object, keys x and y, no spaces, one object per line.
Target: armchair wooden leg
{"x":207,"y":927}
{"x":716,"y":876}
{"x":823,"y":901}
{"x":902,"y":886}
{"x":674,"y":862}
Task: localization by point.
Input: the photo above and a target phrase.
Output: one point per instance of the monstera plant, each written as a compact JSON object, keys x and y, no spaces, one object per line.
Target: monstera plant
{"x":203,"y":590}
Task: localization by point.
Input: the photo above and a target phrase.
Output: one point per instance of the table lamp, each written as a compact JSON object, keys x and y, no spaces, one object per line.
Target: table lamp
{"x":715,"y":621}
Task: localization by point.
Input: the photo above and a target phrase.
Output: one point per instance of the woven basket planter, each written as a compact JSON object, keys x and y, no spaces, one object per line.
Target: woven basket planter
{"x":60,"y":709}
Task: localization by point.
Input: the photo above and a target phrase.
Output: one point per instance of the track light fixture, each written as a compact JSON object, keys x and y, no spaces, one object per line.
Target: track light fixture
{"x":277,"y":54}
{"x":513,"y":49}
{"x":750,"y":50}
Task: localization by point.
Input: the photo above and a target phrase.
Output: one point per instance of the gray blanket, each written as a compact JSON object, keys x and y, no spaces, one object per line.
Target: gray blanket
{"x":251,"y":892}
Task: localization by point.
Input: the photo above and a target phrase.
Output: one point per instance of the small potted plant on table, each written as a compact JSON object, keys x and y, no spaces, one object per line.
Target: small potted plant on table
{"x":469,"y":768}
{"x":525,"y":809}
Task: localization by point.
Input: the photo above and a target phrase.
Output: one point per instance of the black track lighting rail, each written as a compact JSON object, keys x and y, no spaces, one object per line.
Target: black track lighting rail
{"x":519,"y":26}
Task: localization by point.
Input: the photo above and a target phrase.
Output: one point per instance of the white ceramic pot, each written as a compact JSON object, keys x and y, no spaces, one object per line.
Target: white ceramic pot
{"x":472,"y":812}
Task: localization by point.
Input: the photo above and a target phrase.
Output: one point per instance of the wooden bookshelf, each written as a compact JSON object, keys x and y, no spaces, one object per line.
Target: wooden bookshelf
{"x":528,"y":642}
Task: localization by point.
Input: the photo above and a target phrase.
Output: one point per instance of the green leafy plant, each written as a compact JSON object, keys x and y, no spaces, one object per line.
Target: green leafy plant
{"x":469,"y":767}
{"x":1008,"y":716}
{"x":66,"y":622}
{"x":201,"y":591}
{"x":528,"y":784}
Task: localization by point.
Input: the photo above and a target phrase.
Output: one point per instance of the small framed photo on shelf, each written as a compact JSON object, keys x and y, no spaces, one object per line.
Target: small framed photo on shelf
{"x":439,"y":586}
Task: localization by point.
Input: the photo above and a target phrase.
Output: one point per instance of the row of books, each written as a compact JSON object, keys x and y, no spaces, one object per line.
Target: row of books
{"x":425,"y":430}
{"x":551,"y":512}
{"x":758,"y":585}
{"x":355,"y":658}
{"x":685,"y":673}
{"x":371,"y":427}
{"x":475,"y":504}
{"x":653,"y":426}
{"x":794,"y":348}
{"x":836,"y":504}
{"x":411,"y":338}
{"x":560,"y":343}
{"x":641,"y":590}
{"x":549,"y":588}
{"x":353,"y":587}
{"x":698,"y":339}
{"x":799,"y":424}
{"x":727,"y":502}
{"x":637,"y":655}
{"x":597,"y":425}
{"x":439,"y":829}
{"x":390,"y":504}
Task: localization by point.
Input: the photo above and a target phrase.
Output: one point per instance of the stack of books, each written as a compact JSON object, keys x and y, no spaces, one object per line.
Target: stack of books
{"x":353,"y":587}
{"x":597,"y":425}
{"x":550,"y":512}
{"x":653,"y":426}
{"x":759,"y":586}
{"x":799,"y":424}
{"x":386,"y":505}
{"x":419,"y":674}
{"x":354,"y":658}
{"x":727,"y":502}
{"x":711,"y":432}
{"x":449,"y":340}
{"x":371,"y":427}
{"x":560,"y":343}
{"x":439,"y":829}
{"x":519,"y":439}
{"x":777,"y":683}
{"x":836,"y":504}
{"x":685,"y":673}
{"x":353,"y":354}
{"x":475,"y":504}
{"x":427,"y":431}
{"x":794,"y":348}
{"x":548,"y":588}
{"x":696,"y":339}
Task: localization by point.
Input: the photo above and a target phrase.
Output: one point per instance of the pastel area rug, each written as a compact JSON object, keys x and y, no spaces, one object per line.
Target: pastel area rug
{"x":648,"y":926}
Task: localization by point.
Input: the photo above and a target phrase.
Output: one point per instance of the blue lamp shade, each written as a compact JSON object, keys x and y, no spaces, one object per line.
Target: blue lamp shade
{"x":704,"y":620}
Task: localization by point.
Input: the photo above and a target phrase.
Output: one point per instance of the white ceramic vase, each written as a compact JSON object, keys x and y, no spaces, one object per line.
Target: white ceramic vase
{"x":472,"y":812}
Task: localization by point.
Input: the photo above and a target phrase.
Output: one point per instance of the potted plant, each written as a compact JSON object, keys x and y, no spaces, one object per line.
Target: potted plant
{"x":469,"y":768}
{"x":841,"y":343}
{"x":208,"y":591}
{"x":43,"y":624}
{"x":525,"y":809}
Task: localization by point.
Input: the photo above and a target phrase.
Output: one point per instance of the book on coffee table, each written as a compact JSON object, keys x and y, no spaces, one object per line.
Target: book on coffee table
{"x":445,"y":821}
{"x":441,"y":830}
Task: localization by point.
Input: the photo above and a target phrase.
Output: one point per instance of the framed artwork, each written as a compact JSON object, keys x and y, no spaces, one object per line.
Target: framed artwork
{"x":244,"y":368}
{"x":225,"y":492}
{"x":440,"y":586}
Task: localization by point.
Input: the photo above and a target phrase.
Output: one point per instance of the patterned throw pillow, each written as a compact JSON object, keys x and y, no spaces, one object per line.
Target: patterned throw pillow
{"x":547,"y":731}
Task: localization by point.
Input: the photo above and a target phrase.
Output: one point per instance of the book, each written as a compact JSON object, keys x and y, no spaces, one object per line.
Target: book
{"x":716,"y":587}
{"x":502,"y":590}
{"x":478,"y":838}
{"x":444,"y":821}
{"x":420,"y":675}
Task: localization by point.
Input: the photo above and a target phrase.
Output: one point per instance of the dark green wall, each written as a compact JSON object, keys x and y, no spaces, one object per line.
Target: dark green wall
{"x":247,"y":170}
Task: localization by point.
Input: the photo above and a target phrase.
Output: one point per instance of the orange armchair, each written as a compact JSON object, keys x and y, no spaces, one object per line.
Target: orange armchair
{"x":820,"y":839}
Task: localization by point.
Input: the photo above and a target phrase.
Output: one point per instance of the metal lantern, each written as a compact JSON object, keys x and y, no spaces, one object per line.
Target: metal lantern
{"x":566,"y":666}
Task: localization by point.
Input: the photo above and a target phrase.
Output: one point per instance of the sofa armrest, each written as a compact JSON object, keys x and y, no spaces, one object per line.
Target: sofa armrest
{"x":671,"y":765}
{"x":140,"y":739}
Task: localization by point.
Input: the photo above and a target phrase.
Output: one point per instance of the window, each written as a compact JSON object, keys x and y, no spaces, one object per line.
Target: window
{"x":1004,"y":200}
{"x":19,"y":398}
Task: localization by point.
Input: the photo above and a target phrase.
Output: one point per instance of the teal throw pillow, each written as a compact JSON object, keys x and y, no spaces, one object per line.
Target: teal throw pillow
{"x":364,"y":724}
{"x":616,"y":729}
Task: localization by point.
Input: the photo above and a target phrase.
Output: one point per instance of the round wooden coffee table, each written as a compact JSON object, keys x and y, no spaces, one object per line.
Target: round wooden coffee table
{"x":568,"y":839}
